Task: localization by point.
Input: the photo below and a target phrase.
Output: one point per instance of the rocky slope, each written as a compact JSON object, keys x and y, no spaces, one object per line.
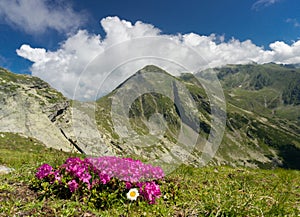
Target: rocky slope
{"x":29,"y":106}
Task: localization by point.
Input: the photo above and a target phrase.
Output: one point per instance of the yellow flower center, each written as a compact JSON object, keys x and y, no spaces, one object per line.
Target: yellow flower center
{"x":132,"y":194}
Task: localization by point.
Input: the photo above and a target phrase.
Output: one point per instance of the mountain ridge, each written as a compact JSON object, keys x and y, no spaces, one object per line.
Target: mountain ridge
{"x":256,"y":137}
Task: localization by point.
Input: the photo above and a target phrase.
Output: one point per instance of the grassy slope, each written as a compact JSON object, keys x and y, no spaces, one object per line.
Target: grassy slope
{"x":257,"y":133}
{"x":273,"y":121}
{"x":262,"y":89}
{"x":208,"y":191}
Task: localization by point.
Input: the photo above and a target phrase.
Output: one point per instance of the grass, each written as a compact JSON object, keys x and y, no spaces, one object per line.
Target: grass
{"x":207,"y":191}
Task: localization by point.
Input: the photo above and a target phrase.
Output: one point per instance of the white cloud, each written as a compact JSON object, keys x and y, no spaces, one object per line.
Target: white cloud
{"x":263,"y":3}
{"x":120,"y":30}
{"x":65,"y":68}
{"x":284,"y":53}
{"x":36,"y":16}
{"x":293,"y":21}
{"x":32,"y":54}
{"x":61,"y":68}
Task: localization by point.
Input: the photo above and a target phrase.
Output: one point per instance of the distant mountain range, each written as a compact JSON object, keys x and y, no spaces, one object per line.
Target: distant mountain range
{"x":262,"y":124}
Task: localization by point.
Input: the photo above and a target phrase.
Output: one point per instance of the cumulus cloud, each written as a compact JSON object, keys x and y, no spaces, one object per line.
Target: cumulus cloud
{"x":85,"y":62}
{"x":263,"y":3}
{"x":36,"y":16}
{"x":284,"y":53}
{"x":62,"y":67}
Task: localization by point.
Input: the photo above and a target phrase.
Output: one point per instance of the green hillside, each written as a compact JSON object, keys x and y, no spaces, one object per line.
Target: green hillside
{"x":261,"y":129}
{"x":270,"y":89}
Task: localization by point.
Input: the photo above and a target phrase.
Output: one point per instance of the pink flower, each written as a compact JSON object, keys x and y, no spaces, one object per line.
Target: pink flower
{"x":150,"y":191}
{"x":79,"y":170}
{"x":73,"y":185}
{"x":74,"y":160}
{"x":128,"y":185}
{"x":104,"y":178}
{"x":85,"y":178}
{"x":57,"y":175}
{"x":43,"y":171}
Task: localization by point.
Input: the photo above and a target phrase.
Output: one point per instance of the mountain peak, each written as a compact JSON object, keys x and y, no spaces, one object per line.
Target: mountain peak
{"x":152,"y":68}
{"x":142,"y":72}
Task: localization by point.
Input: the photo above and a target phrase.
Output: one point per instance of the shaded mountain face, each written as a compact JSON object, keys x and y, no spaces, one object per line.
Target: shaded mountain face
{"x":167,"y":119}
{"x":263,"y":105}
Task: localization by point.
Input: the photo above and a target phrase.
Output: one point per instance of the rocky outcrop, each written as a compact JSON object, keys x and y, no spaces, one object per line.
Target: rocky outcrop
{"x":29,"y":106}
{"x":77,"y":124}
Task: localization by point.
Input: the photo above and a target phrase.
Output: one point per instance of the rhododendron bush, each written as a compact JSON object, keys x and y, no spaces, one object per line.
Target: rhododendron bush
{"x":101,"y":181}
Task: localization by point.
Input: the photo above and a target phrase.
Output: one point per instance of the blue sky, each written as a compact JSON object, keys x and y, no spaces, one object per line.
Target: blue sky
{"x":263,"y":22}
{"x":270,"y":29}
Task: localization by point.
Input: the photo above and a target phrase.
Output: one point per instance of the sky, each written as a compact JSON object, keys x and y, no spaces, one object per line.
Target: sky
{"x":57,"y":40}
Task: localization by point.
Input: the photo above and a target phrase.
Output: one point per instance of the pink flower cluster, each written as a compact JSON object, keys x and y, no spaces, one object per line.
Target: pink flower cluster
{"x":79,"y":170}
{"x":47,"y":171}
{"x":150,"y":191}
{"x":73,"y":185}
{"x":126,"y":169}
{"x":44,"y":171}
{"x":91,"y":172}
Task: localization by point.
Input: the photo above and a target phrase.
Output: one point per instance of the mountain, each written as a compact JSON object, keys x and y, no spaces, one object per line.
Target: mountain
{"x":255,"y":135}
{"x":270,"y":89}
{"x":143,"y":116}
{"x":270,"y":94}
{"x":165,"y":118}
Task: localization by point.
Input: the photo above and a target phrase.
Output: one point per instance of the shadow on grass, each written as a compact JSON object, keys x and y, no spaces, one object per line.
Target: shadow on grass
{"x":290,"y":155}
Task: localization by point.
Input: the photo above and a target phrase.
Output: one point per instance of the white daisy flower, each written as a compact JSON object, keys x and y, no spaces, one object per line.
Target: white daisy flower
{"x":132,"y":194}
